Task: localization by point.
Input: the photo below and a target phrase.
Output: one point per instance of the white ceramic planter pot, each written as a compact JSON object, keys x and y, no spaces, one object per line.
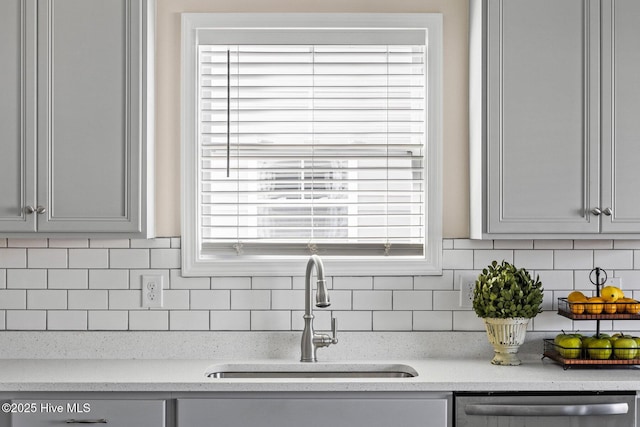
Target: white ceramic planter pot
{"x":506,"y":336}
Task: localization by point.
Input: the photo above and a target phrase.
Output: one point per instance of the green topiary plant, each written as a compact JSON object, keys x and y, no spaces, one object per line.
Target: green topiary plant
{"x":504,"y":291}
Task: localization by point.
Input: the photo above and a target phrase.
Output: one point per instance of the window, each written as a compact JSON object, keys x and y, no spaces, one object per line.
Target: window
{"x":311,"y":134}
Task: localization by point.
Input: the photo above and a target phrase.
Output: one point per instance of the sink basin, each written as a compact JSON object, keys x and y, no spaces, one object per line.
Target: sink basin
{"x":315,"y":370}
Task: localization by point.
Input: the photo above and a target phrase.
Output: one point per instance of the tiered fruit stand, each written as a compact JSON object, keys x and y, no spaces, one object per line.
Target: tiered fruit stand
{"x":617,"y":311}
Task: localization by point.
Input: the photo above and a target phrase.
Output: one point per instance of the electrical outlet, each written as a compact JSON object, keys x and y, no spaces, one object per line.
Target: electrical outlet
{"x":467,"y":283}
{"x":152,"y":291}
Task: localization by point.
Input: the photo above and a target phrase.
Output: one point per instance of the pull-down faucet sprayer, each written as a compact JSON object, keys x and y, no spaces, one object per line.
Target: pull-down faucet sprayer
{"x":310,"y":340}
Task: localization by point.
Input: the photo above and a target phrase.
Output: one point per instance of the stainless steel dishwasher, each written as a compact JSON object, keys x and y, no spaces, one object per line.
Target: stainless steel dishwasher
{"x":601,"y":409}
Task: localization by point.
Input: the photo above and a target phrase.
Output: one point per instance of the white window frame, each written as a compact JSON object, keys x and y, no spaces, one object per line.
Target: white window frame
{"x":196,"y":263}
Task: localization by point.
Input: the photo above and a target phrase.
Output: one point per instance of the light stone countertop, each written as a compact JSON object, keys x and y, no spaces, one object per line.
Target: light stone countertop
{"x":189,"y":376}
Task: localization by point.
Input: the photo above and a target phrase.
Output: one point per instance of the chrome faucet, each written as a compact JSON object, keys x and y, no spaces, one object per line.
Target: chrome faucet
{"x":310,"y":340}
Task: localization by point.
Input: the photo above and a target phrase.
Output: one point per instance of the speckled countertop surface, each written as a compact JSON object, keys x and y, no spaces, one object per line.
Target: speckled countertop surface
{"x":189,"y":375}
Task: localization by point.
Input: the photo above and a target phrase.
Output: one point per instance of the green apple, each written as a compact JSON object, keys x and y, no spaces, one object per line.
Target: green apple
{"x":599,"y":348}
{"x":625,"y":347}
{"x":570,"y":347}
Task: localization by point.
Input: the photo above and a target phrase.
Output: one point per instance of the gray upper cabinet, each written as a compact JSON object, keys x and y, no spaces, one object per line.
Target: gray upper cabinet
{"x":17,"y":113}
{"x":553,"y":118}
{"x":93,"y":134}
{"x":621,"y":116}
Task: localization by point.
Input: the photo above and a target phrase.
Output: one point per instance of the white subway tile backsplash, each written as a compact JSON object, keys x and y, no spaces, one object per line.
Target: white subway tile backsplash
{"x":13,"y":299}
{"x":46,"y":258}
{"x":68,"y":243}
{"x":58,"y":320}
{"x":210,"y":299}
{"x":288,"y":299}
{"x":457,"y":259}
{"x":82,"y":284}
{"x":553,"y":244}
{"x":472,"y":244}
{"x":555,"y":279}
{"x":176,"y":299}
{"x":593,"y":244}
{"x":372,"y":300}
{"x":513,"y":244}
{"x":165,"y":258}
{"x":390,"y":282}
{"x":163,"y":242}
{"x":13,"y":258}
{"x":230,"y":321}
{"x":271,"y":283}
{"x":270,"y":320}
{"x":250,"y":300}
{"x":46,"y":299}
{"x":613,"y":260}
{"x":112,"y":320}
{"x":355,"y":282}
{"x":88,"y":299}
{"x":392,"y":320}
{"x":27,"y":279}
{"x":231,"y":283}
{"x":445,"y":281}
{"x":482,"y":259}
{"x":467,"y":321}
{"x":27,"y":243}
{"x":129,"y":258}
{"x":354,"y":320}
{"x":109,"y":243}
{"x":108,"y":279}
{"x":149,"y":320}
{"x":26,"y":320}
{"x":189,"y":320}
{"x":446,"y":300}
{"x":412,"y":300}
{"x":179,"y":282}
{"x":572,"y":260}
{"x":533,"y":259}
{"x":88,"y":258}
{"x":125,"y":300}
{"x":68,"y":279}
{"x":432,"y":320}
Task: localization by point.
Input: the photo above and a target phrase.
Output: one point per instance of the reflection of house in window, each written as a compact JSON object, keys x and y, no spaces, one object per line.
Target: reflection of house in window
{"x":296,"y":200}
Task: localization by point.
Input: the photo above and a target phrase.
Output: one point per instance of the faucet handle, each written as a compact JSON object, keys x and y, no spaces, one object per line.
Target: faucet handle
{"x":334,"y":330}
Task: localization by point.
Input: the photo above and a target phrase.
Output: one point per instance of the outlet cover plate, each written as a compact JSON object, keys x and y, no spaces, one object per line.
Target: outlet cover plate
{"x":466,"y":283}
{"x":152,"y":286}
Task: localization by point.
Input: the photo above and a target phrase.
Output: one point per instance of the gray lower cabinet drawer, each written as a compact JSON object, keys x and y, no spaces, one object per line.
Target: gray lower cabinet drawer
{"x":365,"y":410}
{"x":110,"y":413}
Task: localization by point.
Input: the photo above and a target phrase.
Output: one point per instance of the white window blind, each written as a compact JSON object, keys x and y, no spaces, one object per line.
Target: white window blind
{"x":312,"y":149}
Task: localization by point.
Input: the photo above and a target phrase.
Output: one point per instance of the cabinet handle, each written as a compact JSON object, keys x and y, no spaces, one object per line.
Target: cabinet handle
{"x":97,"y":421}
{"x":31,"y":210}
{"x":607,"y":211}
{"x":596,"y":211}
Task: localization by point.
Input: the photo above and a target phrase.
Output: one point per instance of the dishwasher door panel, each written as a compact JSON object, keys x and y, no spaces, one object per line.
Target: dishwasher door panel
{"x":522,"y":410}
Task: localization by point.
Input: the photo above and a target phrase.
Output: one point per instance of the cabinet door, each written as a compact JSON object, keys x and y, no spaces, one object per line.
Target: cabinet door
{"x":112,"y":413}
{"x":17,"y":114}
{"x":312,"y":412}
{"x":90,"y":113}
{"x":542,"y":116}
{"x":621,"y":115}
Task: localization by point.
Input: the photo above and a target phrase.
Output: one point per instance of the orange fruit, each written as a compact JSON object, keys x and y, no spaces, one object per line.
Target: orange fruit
{"x":576,"y":308}
{"x":610,"y":308}
{"x":594,"y":305}
{"x":576,"y":296}
{"x":632,"y":306}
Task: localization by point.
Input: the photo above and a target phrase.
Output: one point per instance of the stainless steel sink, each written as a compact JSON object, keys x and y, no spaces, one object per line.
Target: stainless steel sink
{"x":329,"y":370}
